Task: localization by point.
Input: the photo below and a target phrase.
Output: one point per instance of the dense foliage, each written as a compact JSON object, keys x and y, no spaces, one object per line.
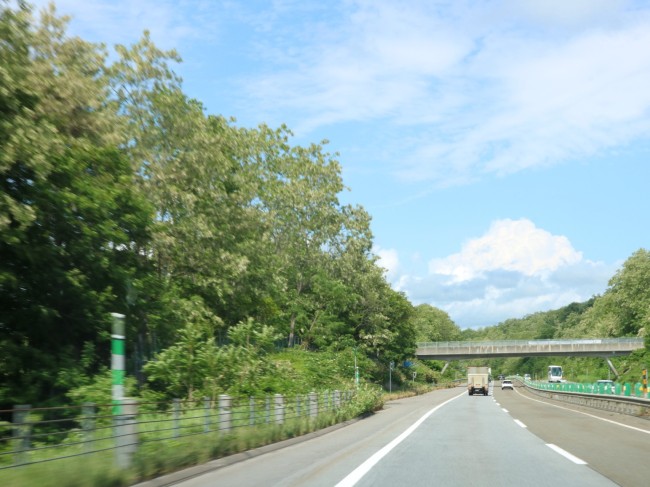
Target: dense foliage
{"x":119,"y":194}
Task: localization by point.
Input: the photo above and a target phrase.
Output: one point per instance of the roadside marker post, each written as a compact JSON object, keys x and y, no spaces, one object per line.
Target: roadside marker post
{"x":117,"y":362}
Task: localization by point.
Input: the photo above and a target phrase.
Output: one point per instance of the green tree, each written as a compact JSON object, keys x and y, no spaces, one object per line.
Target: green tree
{"x":73,"y":228}
{"x":65,"y":271}
{"x":630,"y":292}
{"x":433,"y":324}
{"x":182,"y":368}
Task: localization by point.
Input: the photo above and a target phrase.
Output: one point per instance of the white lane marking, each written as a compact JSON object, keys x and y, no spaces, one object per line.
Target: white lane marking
{"x":647,"y":432}
{"x":504,"y":410}
{"x":365,"y":467}
{"x":520,"y":423}
{"x":566,"y":454}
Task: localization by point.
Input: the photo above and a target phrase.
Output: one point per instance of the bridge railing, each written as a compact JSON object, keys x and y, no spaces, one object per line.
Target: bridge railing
{"x":610,"y":343}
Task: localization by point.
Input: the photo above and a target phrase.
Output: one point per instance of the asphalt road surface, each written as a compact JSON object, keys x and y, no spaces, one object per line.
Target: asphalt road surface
{"x":448,"y":438}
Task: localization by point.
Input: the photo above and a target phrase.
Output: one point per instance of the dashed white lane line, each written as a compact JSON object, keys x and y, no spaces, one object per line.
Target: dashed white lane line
{"x":566,"y":454}
{"x":520,"y":423}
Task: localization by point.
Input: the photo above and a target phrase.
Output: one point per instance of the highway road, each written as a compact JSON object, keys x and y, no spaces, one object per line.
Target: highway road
{"x":448,"y":438}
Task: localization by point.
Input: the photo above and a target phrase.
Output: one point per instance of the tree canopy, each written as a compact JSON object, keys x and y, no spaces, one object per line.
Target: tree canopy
{"x":120,"y":194}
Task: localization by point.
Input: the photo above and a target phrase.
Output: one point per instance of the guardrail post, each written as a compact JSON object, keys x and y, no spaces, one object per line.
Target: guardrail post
{"x":251,"y":406}
{"x":126,"y":432}
{"x":267,"y":409}
{"x":313,"y":404}
{"x":21,"y":432}
{"x":206,"y":415}
{"x":225,"y":412}
{"x":279,"y":409}
{"x":177,"y":417}
{"x":88,"y":424}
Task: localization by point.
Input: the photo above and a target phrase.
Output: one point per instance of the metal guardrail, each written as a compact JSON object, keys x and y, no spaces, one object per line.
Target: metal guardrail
{"x":39,"y":435}
{"x":626,"y":389}
{"x":626,"y":398}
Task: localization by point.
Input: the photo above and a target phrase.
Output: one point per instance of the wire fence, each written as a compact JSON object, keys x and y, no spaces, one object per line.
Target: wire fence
{"x":38,"y":435}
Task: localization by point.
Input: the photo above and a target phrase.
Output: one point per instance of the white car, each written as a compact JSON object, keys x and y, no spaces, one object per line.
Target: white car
{"x":507,"y":384}
{"x":609,"y":384}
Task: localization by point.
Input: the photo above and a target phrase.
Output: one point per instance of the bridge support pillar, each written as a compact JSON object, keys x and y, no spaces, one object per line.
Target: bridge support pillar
{"x":612,"y":368}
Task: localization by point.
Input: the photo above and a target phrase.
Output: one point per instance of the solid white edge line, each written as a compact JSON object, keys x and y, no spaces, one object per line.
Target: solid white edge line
{"x":356,"y":475}
{"x":520,"y":423}
{"x":566,"y":454}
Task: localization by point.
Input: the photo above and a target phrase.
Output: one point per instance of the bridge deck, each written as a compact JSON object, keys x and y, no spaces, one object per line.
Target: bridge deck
{"x":592,"y":347}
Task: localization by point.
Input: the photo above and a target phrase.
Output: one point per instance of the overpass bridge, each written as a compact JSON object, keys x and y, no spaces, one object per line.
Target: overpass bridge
{"x":589,"y":347}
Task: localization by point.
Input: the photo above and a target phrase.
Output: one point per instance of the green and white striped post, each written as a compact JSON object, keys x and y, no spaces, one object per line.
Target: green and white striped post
{"x":117,"y":361}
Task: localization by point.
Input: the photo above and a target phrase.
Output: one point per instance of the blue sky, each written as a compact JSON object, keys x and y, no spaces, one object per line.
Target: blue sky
{"x":501,"y":147}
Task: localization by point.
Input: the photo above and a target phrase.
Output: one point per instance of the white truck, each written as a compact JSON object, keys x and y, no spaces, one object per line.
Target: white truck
{"x":478,"y":380}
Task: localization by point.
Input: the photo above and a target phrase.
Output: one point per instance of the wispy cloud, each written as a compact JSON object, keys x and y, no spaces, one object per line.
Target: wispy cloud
{"x":172,"y":23}
{"x":481,"y":89}
{"x":469,"y":88}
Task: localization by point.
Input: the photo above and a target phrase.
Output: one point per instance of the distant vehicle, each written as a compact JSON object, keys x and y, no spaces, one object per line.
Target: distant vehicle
{"x":554,"y":373}
{"x":478,"y":380}
{"x":507,"y":384}
{"x":501,"y":376}
{"x":526,"y":376}
{"x":608,"y":385}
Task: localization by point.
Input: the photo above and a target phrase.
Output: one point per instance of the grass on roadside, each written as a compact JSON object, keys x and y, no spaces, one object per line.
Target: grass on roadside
{"x":155,"y":458}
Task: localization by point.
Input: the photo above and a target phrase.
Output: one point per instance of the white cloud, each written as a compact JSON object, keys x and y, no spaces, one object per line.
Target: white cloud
{"x":509,"y":245}
{"x":515,"y":269}
{"x":389,"y":260}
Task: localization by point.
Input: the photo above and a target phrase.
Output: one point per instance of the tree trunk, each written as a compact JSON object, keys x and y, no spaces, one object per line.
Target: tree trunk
{"x":292,"y":327}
